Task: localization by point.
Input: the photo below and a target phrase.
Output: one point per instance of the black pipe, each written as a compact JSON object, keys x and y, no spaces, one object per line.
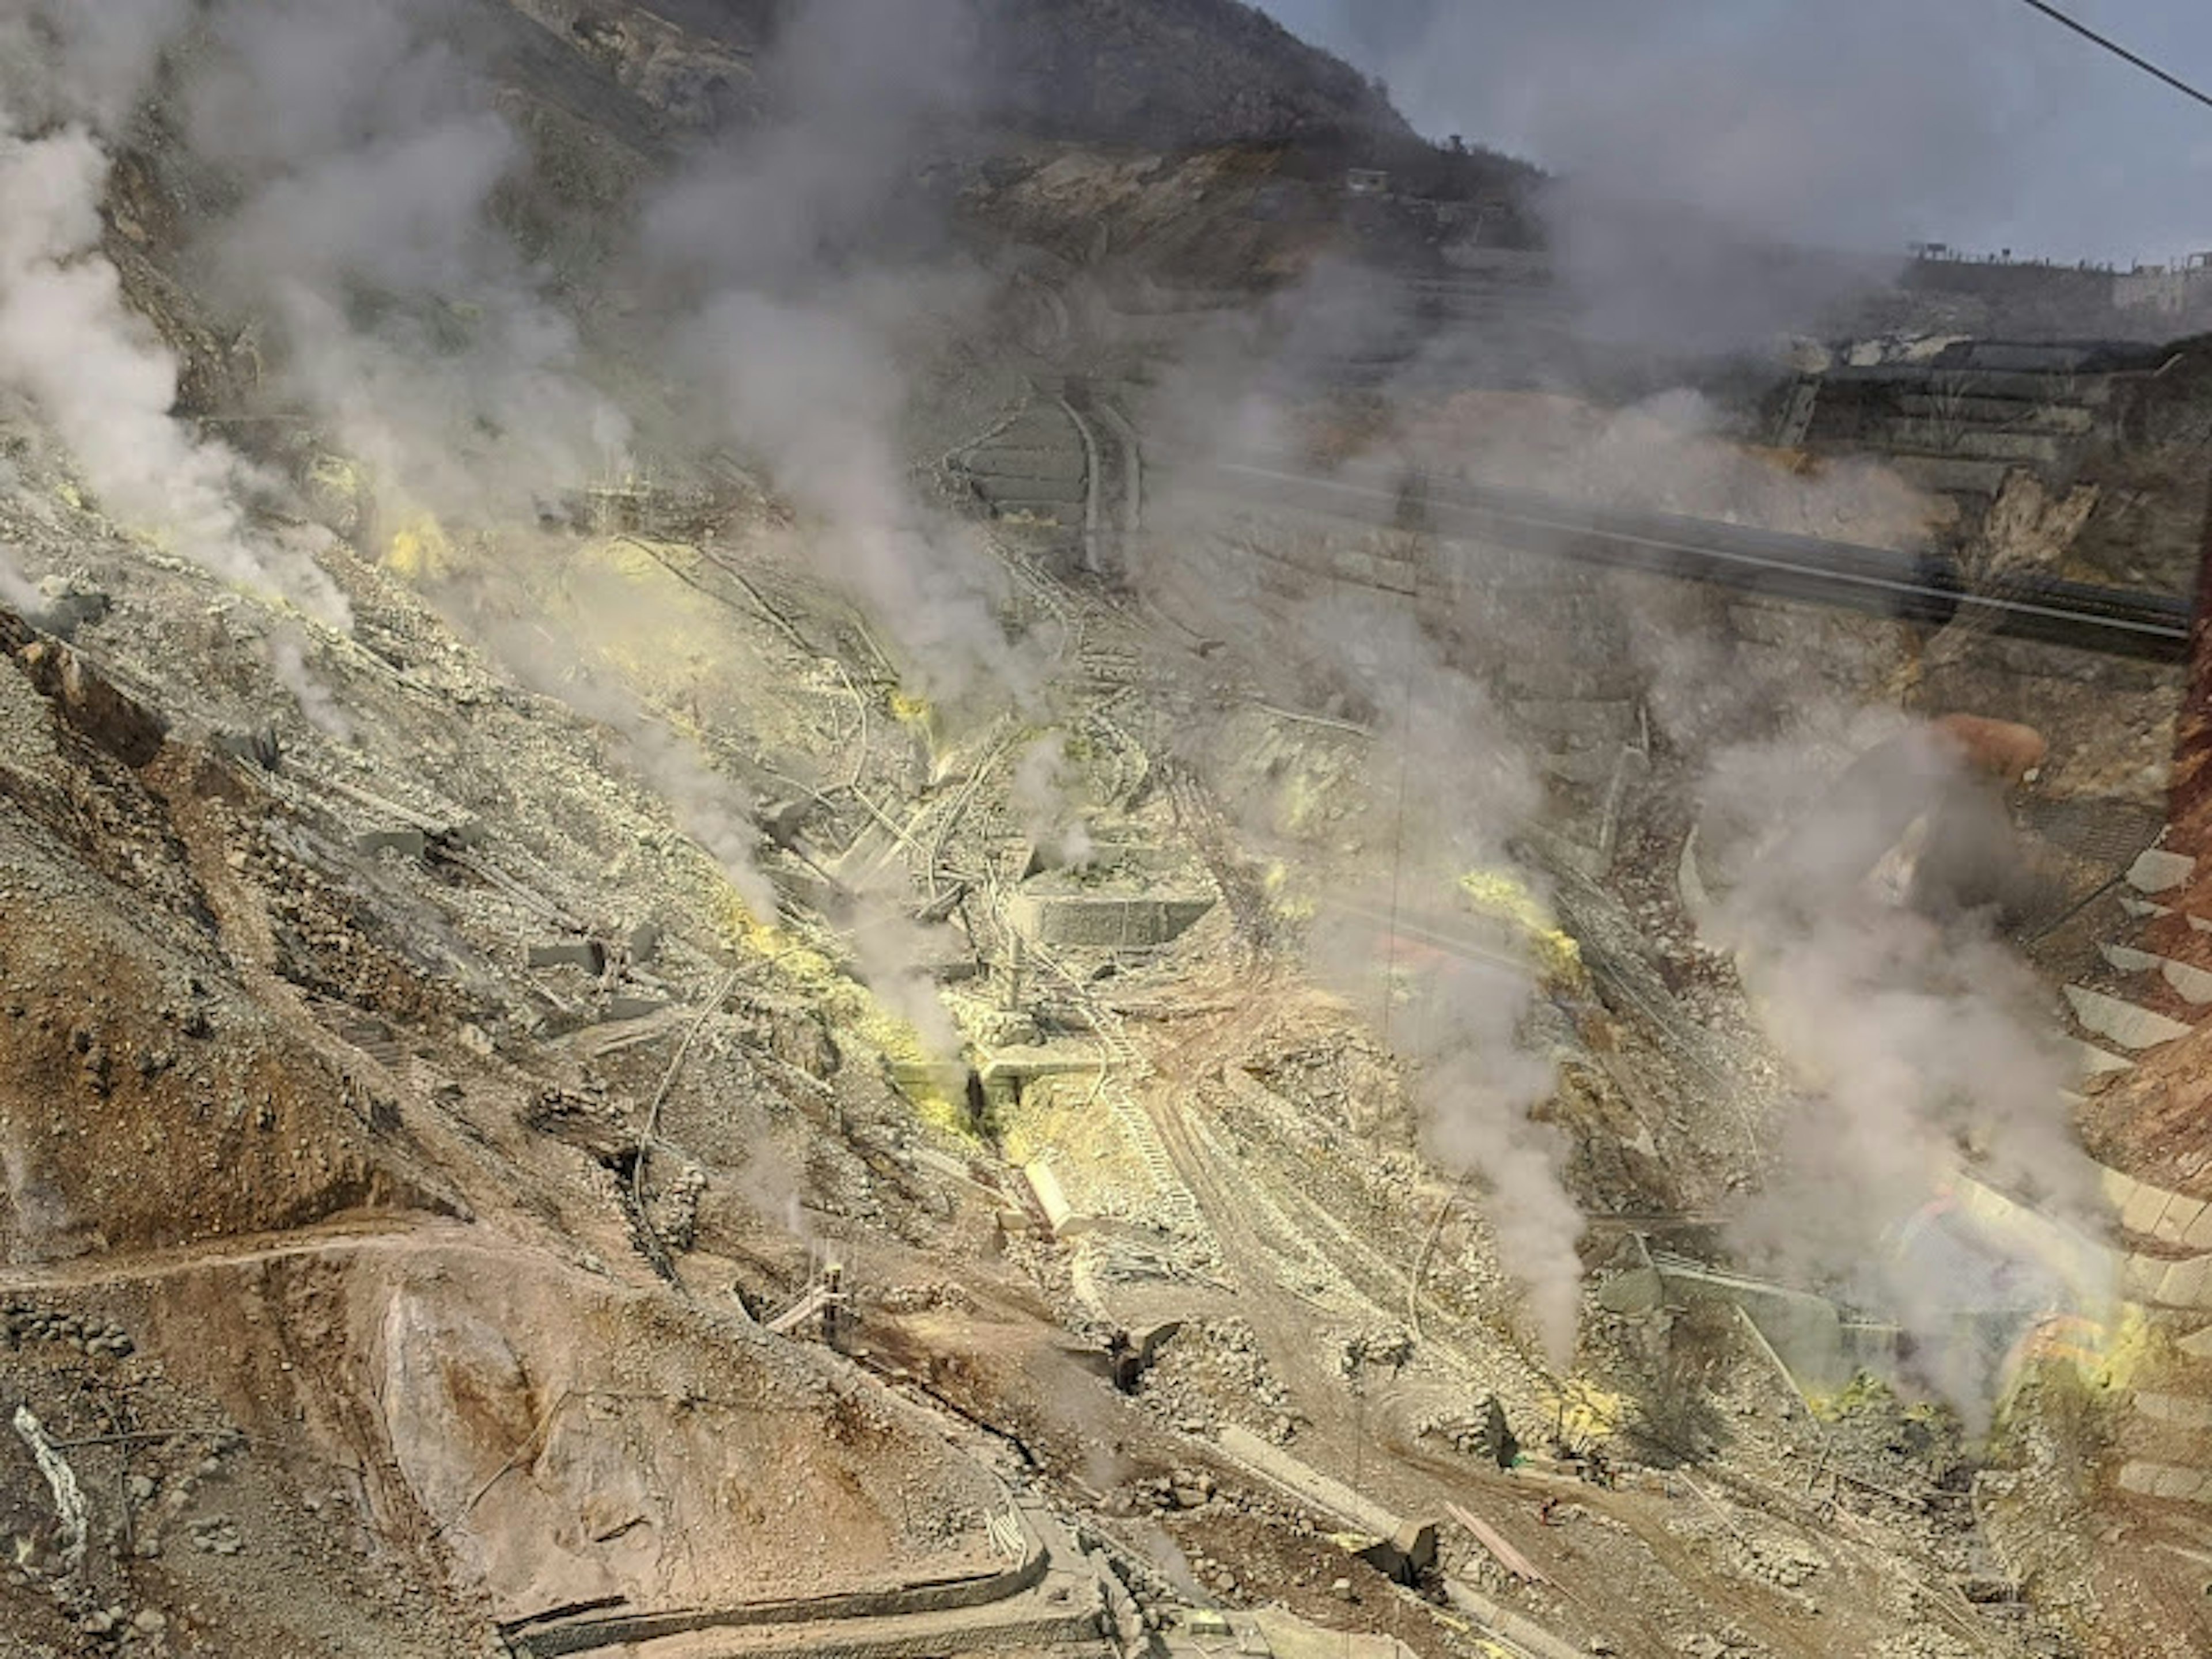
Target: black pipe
{"x":1923,"y":587}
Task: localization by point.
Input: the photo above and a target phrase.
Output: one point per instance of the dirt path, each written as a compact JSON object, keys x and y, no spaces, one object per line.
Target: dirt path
{"x":392,"y":1233}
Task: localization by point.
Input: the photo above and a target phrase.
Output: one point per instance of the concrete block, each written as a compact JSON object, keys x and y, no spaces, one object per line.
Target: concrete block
{"x":409,"y":844}
{"x":2162,"y":1480}
{"x":2144,"y":1206}
{"x":2171,"y":1284}
{"x":2194,"y":985}
{"x":588,"y":954}
{"x":2097,"y":1062}
{"x":1140,"y":1351}
{"x":2023,"y":1233}
{"x":1104,"y":922}
{"x":260,"y":745}
{"x":2199,"y":1234}
{"x":2128,"y":959}
{"x":2158,"y":872}
{"x":1044,"y":1186}
{"x":2182,"y":1215}
{"x":2181,"y":1410}
{"x":1632,"y":1294}
{"x":1013,"y":1066}
{"x":2123,"y":1023}
{"x":2197,"y":1345}
{"x":643,"y":942}
{"x":2118,"y":1189}
{"x":2188,"y":1284}
{"x":2143,"y":1278}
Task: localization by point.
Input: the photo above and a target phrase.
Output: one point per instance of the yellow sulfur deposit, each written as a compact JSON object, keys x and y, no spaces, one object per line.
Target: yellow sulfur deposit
{"x":1287,"y":902}
{"x":853,"y":1011}
{"x":1502,"y":896}
{"x":421,"y":551}
{"x":1588,"y":1413}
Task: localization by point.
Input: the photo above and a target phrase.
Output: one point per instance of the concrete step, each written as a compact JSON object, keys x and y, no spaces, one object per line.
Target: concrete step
{"x":2194,"y":985}
{"x":2154,"y":1212}
{"x":2002,"y":414}
{"x":2131,"y":1027}
{"x":2157,"y":871}
{"x":1915,"y":436}
{"x":2181,"y":1411}
{"x":2170,"y":1284}
{"x":2149,"y":910}
{"x":2166,"y":1481}
{"x":2088,"y":393}
{"x":2098,"y":1062}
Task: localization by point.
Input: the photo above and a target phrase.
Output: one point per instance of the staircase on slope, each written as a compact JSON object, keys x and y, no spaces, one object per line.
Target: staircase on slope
{"x":1960,"y":423}
{"x":2138,"y":1000}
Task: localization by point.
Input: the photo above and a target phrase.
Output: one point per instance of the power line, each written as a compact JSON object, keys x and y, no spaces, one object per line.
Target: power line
{"x":2118,"y":51}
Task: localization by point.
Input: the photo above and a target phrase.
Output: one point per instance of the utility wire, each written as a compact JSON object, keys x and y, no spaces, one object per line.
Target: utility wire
{"x":2118,"y":51}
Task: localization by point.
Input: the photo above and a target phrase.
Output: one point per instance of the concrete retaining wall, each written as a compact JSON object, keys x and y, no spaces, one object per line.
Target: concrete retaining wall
{"x":1103,"y":922}
{"x":901,"y":1600}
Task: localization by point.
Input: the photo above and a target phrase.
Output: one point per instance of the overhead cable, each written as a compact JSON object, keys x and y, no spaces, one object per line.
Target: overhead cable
{"x":2118,"y":51}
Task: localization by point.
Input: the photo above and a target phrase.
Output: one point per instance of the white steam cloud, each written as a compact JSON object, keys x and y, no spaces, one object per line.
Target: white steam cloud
{"x":16,"y":591}
{"x":1043,"y":794}
{"x":371,"y":155}
{"x":104,"y":379}
{"x":798,"y":358}
{"x":1456,"y":990}
{"x":1924,"y":1046}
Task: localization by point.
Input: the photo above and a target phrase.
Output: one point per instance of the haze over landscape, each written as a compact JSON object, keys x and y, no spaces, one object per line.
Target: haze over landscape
{"x":1978,"y":123}
{"x":924,"y":829}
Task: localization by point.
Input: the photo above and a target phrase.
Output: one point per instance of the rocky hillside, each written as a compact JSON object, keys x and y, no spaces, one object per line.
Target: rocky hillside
{"x":1160,"y":73}
{"x":1169,"y":73}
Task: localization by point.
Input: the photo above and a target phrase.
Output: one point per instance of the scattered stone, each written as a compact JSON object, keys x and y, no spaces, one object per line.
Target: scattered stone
{"x":217,"y":1536}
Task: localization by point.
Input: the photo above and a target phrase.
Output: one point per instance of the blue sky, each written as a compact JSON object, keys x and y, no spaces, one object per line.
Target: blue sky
{"x":1857,"y":122}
